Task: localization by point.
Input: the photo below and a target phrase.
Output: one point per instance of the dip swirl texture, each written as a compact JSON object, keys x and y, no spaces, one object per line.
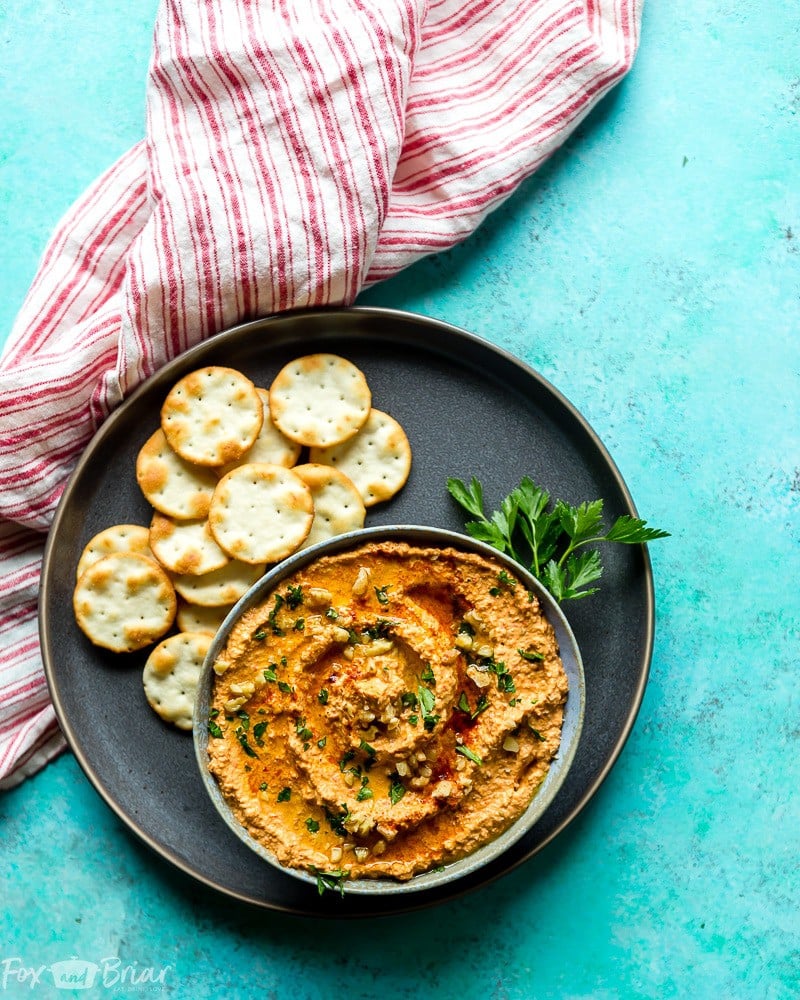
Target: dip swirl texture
{"x":386,"y":710}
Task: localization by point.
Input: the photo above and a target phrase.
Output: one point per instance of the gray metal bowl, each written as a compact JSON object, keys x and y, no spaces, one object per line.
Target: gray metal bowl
{"x":432,"y":537}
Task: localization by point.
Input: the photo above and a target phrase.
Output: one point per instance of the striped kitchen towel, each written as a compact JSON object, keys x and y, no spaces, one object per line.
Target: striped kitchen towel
{"x":295,"y":152}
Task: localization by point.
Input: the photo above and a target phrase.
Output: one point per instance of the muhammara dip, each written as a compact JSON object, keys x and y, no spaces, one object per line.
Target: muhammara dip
{"x":386,"y":710}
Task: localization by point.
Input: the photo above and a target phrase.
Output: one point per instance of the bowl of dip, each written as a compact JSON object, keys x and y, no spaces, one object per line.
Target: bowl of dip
{"x":389,"y":710}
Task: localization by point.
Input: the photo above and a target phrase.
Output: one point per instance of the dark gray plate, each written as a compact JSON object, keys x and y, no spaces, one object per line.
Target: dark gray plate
{"x":468,"y":409}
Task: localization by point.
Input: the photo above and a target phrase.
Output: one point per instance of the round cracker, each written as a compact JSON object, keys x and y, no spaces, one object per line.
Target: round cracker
{"x":320,"y":400}
{"x":194,"y":618}
{"x":338,"y":506}
{"x":172,"y":485}
{"x":212,"y":415}
{"x":185,"y":546}
{"x":124,"y":601}
{"x":222,"y":586}
{"x":261,"y":513}
{"x":116,"y":538}
{"x":271,"y":445}
{"x":377,"y":459}
{"x":171,"y":675}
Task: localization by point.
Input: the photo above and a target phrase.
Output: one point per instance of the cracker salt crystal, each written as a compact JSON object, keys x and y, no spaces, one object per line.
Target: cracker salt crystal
{"x":185,"y":546}
{"x":116,"y":538}
{"x":270,"y":446}
{"x":212,"y":416}
{"x":377,"y":459}
{"x":221,"y":586}
{"x":319,"y":400}
{"x":261,"y":513}
{"x":124,"y":602}
{"x":338,"y":506}
{"x":171,"y":675}
{"x":172,"y":485}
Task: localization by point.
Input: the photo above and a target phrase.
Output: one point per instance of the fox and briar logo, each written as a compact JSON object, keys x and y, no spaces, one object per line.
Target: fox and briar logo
{"x":78,"y":974}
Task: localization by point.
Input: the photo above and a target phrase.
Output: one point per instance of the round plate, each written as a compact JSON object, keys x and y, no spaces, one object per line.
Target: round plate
{"x":468,"y":408}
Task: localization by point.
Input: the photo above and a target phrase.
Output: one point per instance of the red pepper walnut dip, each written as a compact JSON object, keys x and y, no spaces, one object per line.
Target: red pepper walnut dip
{"x":386,"y":710}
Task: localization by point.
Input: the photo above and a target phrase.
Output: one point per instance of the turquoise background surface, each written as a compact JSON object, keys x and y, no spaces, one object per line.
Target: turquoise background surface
{"x":651,"y":271}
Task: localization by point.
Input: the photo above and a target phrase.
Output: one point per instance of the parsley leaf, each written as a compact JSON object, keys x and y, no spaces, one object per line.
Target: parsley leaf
{"x":469,"y":754}
{"x":333,"y":880}
{"x":545,"y":538}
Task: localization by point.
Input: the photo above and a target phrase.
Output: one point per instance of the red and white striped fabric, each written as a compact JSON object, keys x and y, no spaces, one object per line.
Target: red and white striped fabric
{"x":296,"y":151}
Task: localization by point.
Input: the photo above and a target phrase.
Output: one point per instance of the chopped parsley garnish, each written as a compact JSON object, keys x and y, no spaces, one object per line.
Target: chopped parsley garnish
{"x":244,"y":720}
{"x":269,"y":673}
{"x":321,"y":743}
{"x":260,"y":633}
{"x":469,"y":754}
{"x":302,"y":729}
{"x":273,"y":616}
{"x":427,"y":674}
{"x":366,"y":748}
{"x":537,"y":734}
{"x":337,"y":821}
{"x":463,"y":705}
{"x":364,"y":793}
{"x":346,"y":758}
{"x":408,"y":699}
{"x":241,"y":736}
{"x":285,"y":794}
{"x":396,"y":789}
{"x":380,"y":630}
{"x":262,"y":787}
{"x":466,"y":629}
{"x":332,"y":614}
{"x":258,"y":732}
{"x":427,"y":700}
{"x":333,"y":880}
{"x":312,"y":825}
{"x":505,"y":580}
{"x":214,"y":729}
{"x":294,"y":597}
{"x":413,"y":719}
{"x":213,"y":713}
{"x":380,"y":593}
{"x":286,"y":688}
{"x":299,"y":625}
{"x":530,"y":655}
{"x":322,"y":697}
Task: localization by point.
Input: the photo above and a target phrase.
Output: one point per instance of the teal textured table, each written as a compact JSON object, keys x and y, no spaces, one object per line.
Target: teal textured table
{"x":651,"y":271}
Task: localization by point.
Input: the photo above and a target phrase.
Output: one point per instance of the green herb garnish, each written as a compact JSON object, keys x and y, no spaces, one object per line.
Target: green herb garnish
{"x":380,"y":593}
{"x":396,"y":789}
{"x":322,"y":697}
{"x":294,"y":597}
{"x":333,"y":880}
{"x":312,"y":825}
{"x":285,"y":794}
{"x":530,"y":655}
{"x":545,"y":539}
{"x":469,"y":754}
{"x":214,"y":729}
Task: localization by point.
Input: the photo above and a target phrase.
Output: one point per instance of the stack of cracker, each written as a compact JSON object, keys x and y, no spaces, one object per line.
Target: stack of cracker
{"x":230,"y":496}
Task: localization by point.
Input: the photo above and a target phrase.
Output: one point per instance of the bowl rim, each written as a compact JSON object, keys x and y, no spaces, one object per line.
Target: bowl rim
{"x":422,"y":535}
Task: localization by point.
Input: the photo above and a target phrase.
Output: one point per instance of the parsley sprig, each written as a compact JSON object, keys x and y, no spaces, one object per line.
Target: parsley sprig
{"x":549,"y":539}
